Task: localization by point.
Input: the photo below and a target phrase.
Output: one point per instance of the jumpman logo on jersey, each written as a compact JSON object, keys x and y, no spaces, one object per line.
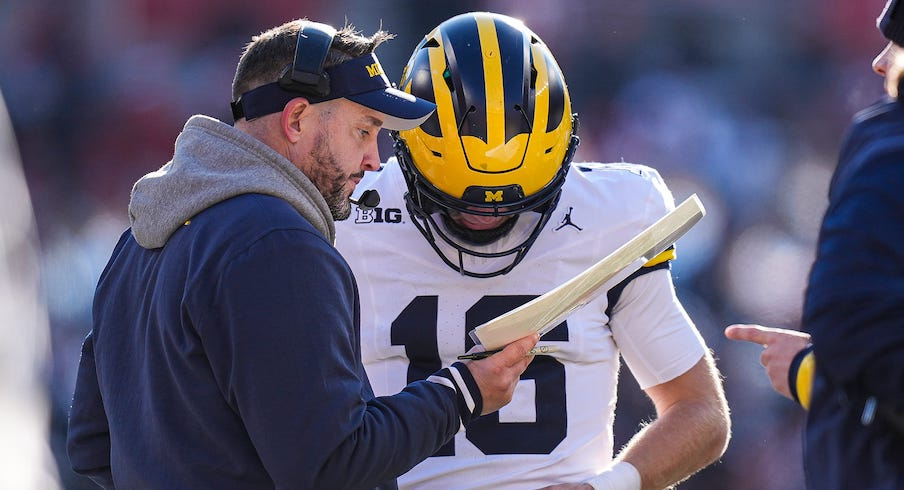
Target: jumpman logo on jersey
{"x":566,"y":221}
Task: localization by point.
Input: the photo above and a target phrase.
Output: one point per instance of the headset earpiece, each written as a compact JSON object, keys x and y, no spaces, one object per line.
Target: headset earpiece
{"x":306,"y":75}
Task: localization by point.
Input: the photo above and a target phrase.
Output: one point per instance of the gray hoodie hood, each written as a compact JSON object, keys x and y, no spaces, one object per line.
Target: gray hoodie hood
{"x":213,"y":162}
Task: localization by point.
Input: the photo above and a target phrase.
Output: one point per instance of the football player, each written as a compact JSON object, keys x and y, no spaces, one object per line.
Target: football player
{"x":482,"y":210}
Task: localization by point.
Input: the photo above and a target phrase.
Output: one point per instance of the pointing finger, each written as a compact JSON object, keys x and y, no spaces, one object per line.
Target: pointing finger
{"x":750,"y":333}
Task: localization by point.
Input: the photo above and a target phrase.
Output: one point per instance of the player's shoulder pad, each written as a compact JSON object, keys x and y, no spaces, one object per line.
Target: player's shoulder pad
{"x":622,"y":179}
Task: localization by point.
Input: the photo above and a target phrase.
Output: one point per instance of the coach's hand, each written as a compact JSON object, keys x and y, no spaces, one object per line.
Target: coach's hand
{"x":498,"y":374}
{"x":779,"y":348}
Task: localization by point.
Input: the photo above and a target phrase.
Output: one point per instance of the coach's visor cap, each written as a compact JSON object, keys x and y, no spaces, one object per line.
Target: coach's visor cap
{"x":360,"y":80}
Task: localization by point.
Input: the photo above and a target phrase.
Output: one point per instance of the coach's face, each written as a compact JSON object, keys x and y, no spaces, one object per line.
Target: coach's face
{"x":336,"y":143}
{"x":889,"y":63}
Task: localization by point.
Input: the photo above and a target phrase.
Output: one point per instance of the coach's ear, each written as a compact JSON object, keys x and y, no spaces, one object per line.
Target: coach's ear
{"x":295,"y":118}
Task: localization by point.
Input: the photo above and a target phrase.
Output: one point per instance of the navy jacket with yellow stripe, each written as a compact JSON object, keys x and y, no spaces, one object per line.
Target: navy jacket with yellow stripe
{"x":854,"y":311}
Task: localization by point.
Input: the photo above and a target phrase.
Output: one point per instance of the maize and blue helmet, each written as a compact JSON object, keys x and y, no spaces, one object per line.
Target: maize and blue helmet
{"x":501,"y":138}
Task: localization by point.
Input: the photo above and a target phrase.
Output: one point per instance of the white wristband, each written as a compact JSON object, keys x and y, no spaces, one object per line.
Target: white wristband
{"x":622,"y":476}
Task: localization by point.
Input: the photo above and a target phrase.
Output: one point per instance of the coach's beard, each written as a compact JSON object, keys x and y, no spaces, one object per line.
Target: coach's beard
{"x":330,"y":180}
{"x":339,"y":205}
{"x":335,"y":195}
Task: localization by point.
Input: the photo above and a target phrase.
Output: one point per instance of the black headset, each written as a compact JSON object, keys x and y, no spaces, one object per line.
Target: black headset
{"x":306,"y":75}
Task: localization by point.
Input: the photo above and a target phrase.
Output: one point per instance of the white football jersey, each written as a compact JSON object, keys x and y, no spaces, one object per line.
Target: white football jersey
{"x":416,"y":313}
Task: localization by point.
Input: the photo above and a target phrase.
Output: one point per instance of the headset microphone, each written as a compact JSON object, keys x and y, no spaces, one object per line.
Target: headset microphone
{"x":369,"y":199}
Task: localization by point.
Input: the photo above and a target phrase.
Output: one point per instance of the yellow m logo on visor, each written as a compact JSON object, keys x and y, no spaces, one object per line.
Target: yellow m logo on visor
{"x":374,"y":70}
{"x":492,"y":196}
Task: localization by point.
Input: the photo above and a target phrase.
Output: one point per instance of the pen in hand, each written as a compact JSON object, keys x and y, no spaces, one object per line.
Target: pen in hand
{"x":540,"y":349}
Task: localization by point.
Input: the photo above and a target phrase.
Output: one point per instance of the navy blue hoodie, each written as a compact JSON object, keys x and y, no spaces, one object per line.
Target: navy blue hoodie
{"x":225,"y":348}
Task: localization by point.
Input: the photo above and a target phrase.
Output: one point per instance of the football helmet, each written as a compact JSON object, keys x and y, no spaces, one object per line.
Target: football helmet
{"x":499,"y":143}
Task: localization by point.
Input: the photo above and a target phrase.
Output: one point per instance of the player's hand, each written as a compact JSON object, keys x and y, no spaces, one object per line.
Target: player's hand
{"x":780,"y":347}
{"x":497,"y":375}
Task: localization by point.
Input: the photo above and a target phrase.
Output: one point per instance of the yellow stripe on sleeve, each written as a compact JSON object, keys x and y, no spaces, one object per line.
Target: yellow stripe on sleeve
{"x":804,"y":379}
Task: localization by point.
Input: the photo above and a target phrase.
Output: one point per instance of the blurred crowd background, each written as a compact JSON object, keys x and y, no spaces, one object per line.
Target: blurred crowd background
{"x":741,"y":102}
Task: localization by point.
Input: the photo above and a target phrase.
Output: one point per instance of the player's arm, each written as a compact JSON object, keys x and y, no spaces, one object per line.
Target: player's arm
{"x":690,"y":431}
{"x":670,"y":361}
{"x":787,"y":358}
{"x":691,"y":428}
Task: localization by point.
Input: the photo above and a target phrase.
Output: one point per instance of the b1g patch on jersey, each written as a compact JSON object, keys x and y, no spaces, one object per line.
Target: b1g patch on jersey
{"x":569,"y":220}
{"x":378,"y":215}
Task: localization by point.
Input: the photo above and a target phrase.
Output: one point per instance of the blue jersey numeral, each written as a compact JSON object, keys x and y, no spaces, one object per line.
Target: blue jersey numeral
{"x":415,"y":329}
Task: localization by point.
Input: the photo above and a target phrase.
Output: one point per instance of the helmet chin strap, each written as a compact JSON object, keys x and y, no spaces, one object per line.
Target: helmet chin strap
{"x":477,"y":237}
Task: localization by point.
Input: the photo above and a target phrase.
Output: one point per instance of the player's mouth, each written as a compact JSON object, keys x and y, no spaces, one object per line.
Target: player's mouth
{"x":478,"y":222}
